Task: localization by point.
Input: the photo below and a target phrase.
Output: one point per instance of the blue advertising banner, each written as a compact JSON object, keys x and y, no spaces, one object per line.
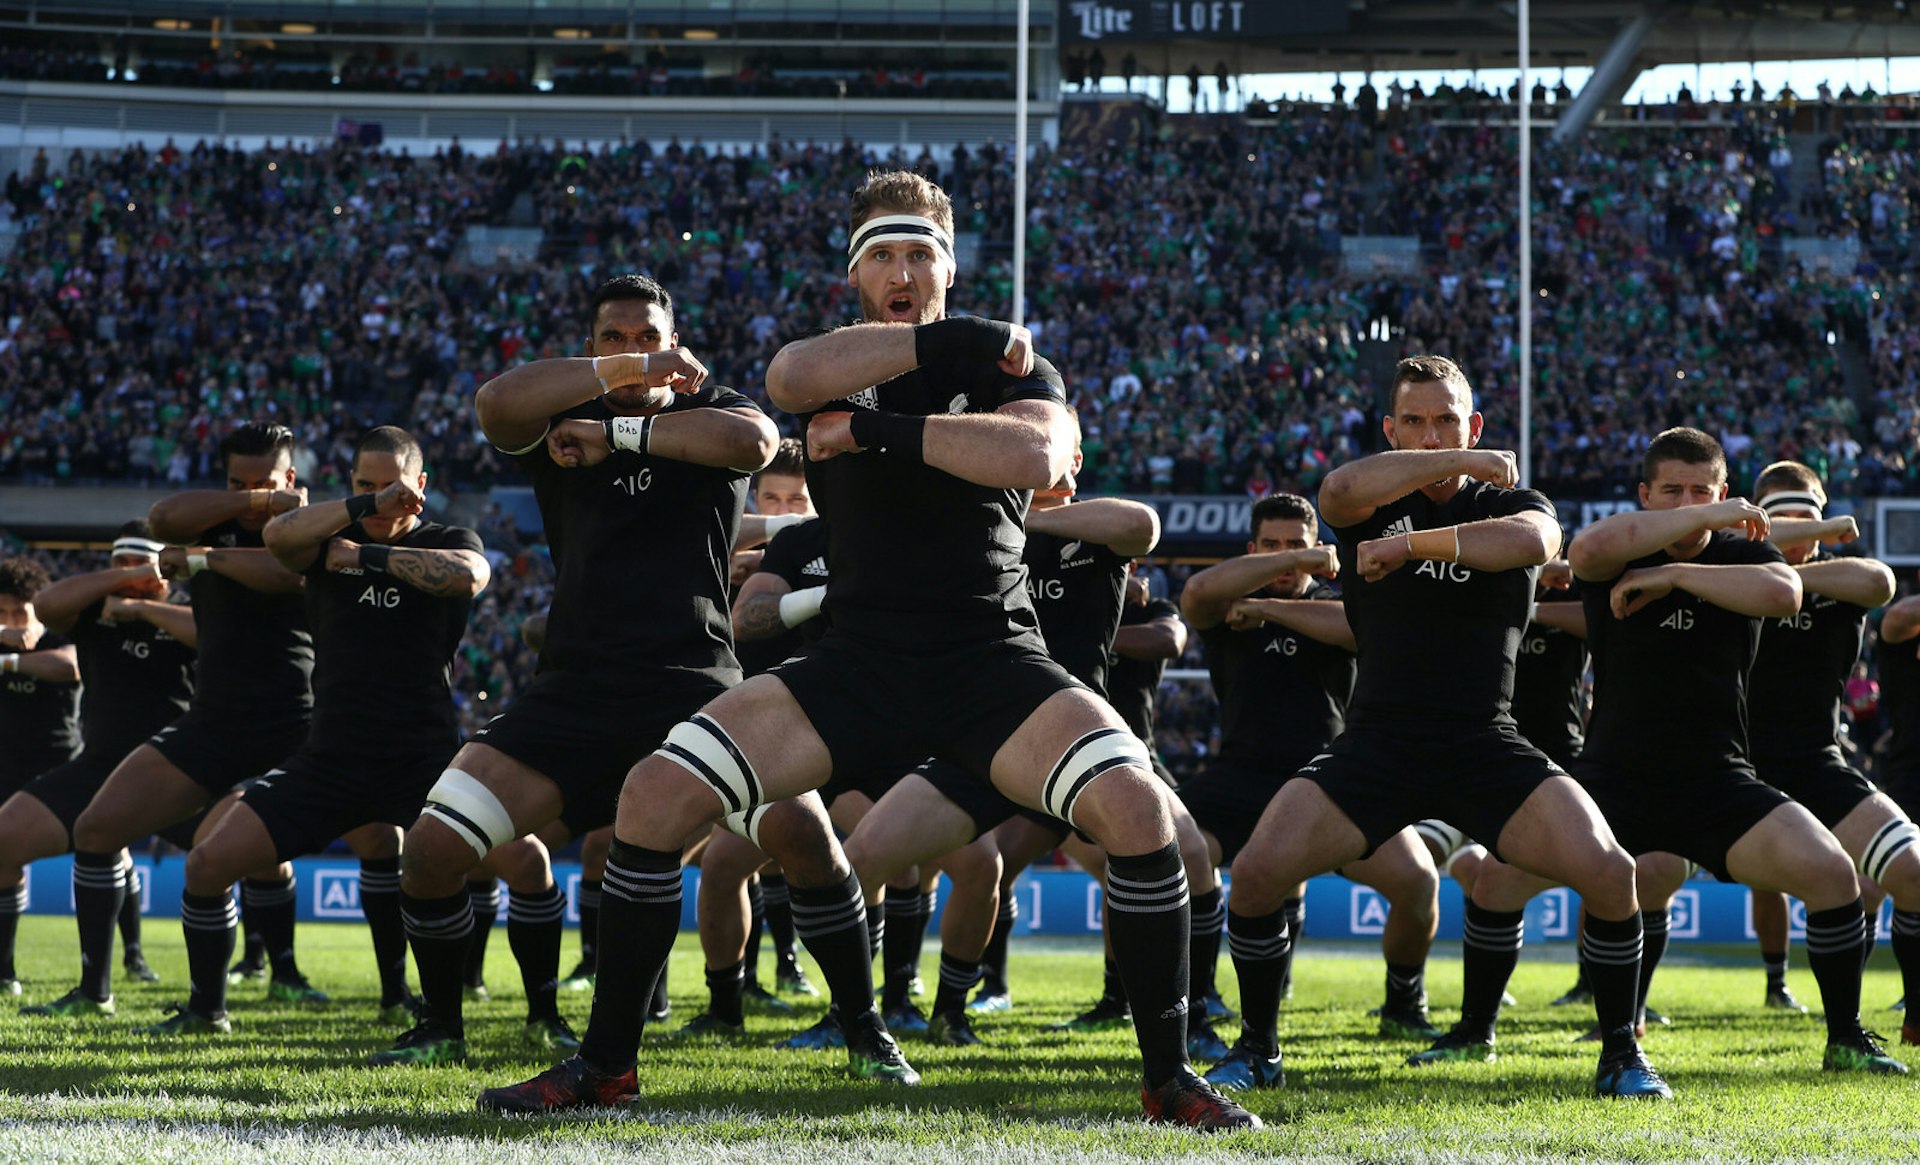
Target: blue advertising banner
{"x":1052,"y":902}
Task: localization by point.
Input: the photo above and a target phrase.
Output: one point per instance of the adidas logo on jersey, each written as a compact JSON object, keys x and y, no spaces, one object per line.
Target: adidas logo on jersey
{"x":817,"y":568}
{"x":1400,"y":526}
{"x":866,"y":398}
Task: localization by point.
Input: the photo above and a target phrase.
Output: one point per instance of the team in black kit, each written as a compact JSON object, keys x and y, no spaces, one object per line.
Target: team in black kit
{"x":955,"y":642}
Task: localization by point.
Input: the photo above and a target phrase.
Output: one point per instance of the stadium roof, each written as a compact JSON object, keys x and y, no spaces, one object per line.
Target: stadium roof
{"x":1271,"y":36}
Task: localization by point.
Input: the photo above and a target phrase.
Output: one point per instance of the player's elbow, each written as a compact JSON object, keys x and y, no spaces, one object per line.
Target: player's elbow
{"x":757,"y":446}
{"x":1884,"y":586}
{"x":783,"y":381}
{"x":1142,"y":532}
{"x":1781,"y":596}
{"x":1585,"y":557}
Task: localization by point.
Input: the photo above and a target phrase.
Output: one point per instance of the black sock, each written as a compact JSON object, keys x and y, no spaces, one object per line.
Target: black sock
{"x":483,"y":899}
{"x":639,"y":921}
{"x":1653,"y":948}
{"x":1113,"y":989}
{"x":723,"y":994}
{"x":779,"y":905}
{"x":1209,"y":919}
{"x":208,"y":922}
{"x":270,"y":908}
{"x":534,"y":923}
{"x":993,"y":961}
{"x":1261,"y":949}
{"x":876,"y":928}
{"x":1834,"y":939}
{"x":1906,"y":952}
{"x":1147,"y":912}
{"x":1610,"y":954}
{"x":1406,"y":987}
{"x":589,"y":923}
{"x":380,"y":902}
{"x":756,"y":921}
{"x":1488,"y":952}
{"x":957,"y":977}
{"x":899,"y":945}
{"x":13,"y":903}
{"x":833,"y":922}
{"x":438,"y":929}
{"x":97,"y":889}
{"x":1776,"y":965}
{"x":657,"y":1003}
{"x":1294,"y":911}
{"x":129,"y":916}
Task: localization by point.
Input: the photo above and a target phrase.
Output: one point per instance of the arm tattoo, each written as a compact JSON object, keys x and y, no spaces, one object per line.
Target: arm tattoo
{"x":445,"y":573}
{"x":759,"y":618}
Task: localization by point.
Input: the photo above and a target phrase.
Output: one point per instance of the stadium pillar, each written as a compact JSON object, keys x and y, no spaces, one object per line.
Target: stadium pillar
{"x":1611,"y":77}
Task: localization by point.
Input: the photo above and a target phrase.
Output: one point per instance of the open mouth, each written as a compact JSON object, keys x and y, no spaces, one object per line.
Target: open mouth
{"x":901,"y":307}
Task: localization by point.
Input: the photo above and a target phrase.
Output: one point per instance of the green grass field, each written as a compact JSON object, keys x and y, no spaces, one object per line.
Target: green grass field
{"x":288,"y":1086}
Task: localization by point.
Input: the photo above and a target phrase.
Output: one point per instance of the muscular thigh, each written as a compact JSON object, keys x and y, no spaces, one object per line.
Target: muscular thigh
{"x":145,"y":793}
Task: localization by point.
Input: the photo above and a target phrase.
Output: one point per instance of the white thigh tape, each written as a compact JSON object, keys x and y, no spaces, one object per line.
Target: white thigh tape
{"x":703,"y":748}
{"x":1085,"y":759}
{"x":471,"y":810}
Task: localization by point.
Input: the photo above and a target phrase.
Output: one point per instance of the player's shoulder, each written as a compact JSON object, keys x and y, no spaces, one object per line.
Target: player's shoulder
{"x":1736,"y":549}
{"x":712,"y":396}
{"x":1490,"y":500}
{"x":1320,"y":590}
{"x":441,"y":536}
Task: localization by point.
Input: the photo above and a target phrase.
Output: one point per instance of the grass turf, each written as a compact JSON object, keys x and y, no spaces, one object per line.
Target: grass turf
{"x":288,"y":1085}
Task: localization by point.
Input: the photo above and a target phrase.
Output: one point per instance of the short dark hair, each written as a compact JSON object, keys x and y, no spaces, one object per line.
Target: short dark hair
{"x":624,"y":287}
{"x":1424,"y":370}
{"x":1789,"y":475}
{"x":256,"y":439}
{"x":789,"y":459}
{"x":391,"y":439}
{"x":23,"y":578}
{"x":138,"y":528}
{"x":1683,"y":444}
{"x":1281,"y":506}
{"x":901,"y":191}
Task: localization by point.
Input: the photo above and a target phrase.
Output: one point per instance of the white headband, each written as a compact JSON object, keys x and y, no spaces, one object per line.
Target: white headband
{"x":146,"y":547}
{"x":897,"y":228}
{"x":1792,"y":500}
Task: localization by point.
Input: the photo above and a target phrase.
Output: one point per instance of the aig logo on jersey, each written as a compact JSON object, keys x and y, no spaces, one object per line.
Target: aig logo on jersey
{"x":1046,"y":588}
{"x":635,"y":483}
{"x":1281,"y":645}
{"x":375,"y":597}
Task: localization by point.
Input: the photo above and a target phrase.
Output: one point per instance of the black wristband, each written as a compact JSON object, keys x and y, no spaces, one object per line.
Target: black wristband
{"x":360,"y":507}
{"x":969,"y":339}
{"x":893,"y":432}
{"x":374,"y":557}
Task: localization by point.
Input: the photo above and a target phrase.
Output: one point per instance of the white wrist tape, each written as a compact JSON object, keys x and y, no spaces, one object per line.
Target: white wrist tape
{"x":631,"y":434}
{"x":195,"y":564}
{"x":796,"y":607}
{"x":605,"y":387}
{"x":780,"y":522}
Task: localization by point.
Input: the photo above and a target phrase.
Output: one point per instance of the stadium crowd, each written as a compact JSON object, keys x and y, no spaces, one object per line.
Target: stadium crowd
{"x":1191,"y":284}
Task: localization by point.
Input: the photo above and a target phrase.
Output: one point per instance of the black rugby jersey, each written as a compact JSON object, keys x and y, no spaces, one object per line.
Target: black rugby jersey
{"x":1800,"y":677}
{"x":1899,"y":669}
{"x":798,"y":556}
{"x":383,"y":648}
{"x":1670,"y":681}
{"x":1437,"y":640}
{"x":1283,"y":695}
{"x":1132,"y":684}
{"x":1548,"y":703}
{"x":642,"y":546}
{"x":256,"y":654}
{"x":1077,"y":589}
{"x":137,"y":680}
{"x":957,"y":579}
{"x":39,"y":720}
